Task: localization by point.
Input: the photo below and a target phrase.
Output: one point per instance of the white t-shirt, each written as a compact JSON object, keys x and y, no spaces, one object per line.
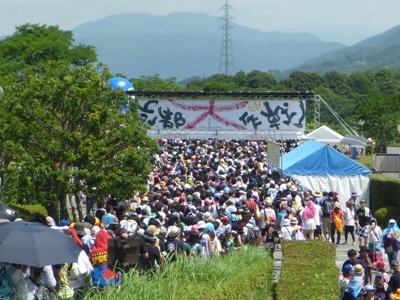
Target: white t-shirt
{"x":268,"y":211}
{"x":77,"y":276}
{"x":287,"y":233}
{"x":349,"y":217}
{"x":46,"y":278}
{"x":317,"y":217}
{"x":375,"y":234}
{"x":205,"y":243}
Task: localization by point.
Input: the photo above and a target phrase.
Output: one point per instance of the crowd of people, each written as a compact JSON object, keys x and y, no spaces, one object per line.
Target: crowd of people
{"x":358,"y":281}
{"x":205,"y":199}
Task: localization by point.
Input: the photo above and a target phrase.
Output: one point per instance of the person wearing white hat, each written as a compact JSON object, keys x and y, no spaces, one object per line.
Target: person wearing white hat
{"x":174,"y":246}
{"x":286,"y":230}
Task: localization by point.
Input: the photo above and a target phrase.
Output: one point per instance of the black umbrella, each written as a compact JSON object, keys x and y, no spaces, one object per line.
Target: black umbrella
{"x":34,"y":244}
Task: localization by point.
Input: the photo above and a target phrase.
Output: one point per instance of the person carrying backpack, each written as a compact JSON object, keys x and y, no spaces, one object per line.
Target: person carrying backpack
{"x":194,"y":242}
{"x":286,"y":230}
{"x":12,"y":282}
{"x":39,"y":282}
{"x":297,"y":233}
{"x":271,"y":232}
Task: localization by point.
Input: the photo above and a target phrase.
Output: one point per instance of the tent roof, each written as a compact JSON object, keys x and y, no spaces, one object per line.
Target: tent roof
{"x":314,"y":158}
{"x":325,"y":135}
{"x":354,"y":140}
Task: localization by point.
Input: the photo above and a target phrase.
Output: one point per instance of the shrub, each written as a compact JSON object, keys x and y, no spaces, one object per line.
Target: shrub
{"x":384,"y":214}
{"x":25,"y":211}
{"x":369,"y":149}
{"x":384,"y":191}
{"x":307,"y":265}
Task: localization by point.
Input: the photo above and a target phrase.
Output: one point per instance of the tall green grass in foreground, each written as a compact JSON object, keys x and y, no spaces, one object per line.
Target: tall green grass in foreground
{"x":308,"y":271}
{"x":245,"y":274}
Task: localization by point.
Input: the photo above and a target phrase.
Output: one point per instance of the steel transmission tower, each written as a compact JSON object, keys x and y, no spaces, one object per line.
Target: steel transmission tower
{"x":226,"y":65}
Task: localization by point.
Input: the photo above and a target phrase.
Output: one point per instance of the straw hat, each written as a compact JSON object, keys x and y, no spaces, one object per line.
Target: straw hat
{"x":317,"y":194}
{"x":174,"y":231}
{"x":358,"y":269}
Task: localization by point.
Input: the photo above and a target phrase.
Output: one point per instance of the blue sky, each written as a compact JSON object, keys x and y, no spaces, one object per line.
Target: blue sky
{"x":346,"y":21}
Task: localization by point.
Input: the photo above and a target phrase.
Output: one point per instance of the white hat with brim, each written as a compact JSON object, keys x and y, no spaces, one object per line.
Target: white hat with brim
{"x":201,"y":224}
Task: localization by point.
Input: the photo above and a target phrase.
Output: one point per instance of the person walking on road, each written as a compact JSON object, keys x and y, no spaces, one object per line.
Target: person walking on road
{"x":337,"y":223}
{"x":363,"y":218}
{"x":327,"y":206}
{"x":349,"y":214}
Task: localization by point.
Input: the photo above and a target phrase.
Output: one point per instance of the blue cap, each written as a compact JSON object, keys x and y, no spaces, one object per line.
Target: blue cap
{"x":348,"y":268}
{"x":65,"y":223}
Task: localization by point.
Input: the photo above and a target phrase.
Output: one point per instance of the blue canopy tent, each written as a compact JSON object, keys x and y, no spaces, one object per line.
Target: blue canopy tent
{"x":321,"y":167}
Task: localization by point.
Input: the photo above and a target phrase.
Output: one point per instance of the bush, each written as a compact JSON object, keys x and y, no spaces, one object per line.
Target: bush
{"x":305,"y":267}
{"x":369,"y":150}
{"x":25,"y":211}
{"x":384,"y":191}
{"x":384,"y":214}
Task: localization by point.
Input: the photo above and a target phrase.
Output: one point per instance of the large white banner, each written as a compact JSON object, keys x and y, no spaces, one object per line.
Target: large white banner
{"x":224,"y":114}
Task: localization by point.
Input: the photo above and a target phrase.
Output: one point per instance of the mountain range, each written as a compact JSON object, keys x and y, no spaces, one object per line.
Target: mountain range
{"x":184,"y":44}
{"x":380,"y":51}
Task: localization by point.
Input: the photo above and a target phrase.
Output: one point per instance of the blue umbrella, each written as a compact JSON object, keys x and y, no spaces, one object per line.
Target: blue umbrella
{"x":34,"y":244}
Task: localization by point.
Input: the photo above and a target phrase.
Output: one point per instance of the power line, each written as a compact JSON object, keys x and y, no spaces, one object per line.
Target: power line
{"x":226,"y":65}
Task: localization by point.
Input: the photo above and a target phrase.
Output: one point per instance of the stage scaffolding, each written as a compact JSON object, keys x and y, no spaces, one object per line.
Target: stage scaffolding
{"x":309,"y":97}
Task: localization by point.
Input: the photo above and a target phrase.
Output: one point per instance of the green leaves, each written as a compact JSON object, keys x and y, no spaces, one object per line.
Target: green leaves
{"x":381,"y":114}
{"x":34,"y":44}
{"x":61,"y":123}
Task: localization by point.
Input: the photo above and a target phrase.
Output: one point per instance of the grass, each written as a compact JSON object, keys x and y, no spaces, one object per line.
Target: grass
{"x":244,"y":274}
{"x":308,"y":271}
{"x":365,"y":160}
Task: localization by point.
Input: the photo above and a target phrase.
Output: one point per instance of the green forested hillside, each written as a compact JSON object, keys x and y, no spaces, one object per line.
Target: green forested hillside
{"x":380,"y":51}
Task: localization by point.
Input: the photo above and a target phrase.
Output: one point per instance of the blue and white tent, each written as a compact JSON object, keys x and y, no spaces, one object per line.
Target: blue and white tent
{"x":321,"y":167}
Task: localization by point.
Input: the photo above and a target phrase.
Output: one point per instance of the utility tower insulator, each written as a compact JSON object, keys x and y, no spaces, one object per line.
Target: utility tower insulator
{"x":226,"y":65}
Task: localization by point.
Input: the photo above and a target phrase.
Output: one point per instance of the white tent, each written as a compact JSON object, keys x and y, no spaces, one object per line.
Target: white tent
{"x":320,"y":167}
{"x":324,"y":135}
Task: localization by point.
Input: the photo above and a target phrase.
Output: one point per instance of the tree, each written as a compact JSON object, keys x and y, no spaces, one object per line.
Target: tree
{"x":217,"y":82}
{"x":381,"y":114}
{"x":338,"y":83}
{"x":61,"y":130}
{"x":363,"y":82}
{"x":387,"y":81}
{"x":33,"y":44}
{"x":260,"y":80}
{"x":303,"y":81}
{"x":156,"y":83}
{"x":67,"y":127}
{"x":241,"y":79}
